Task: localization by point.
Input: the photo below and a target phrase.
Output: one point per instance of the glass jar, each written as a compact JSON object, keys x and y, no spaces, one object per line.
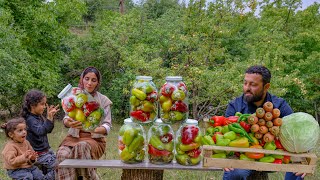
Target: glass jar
{"x":160,"y":143}
{"x":188,"y":143}
{"x":81,"y":106}
{"x":173,"y":98}
{"x":143,"y":100}
{"x":131,"y":142}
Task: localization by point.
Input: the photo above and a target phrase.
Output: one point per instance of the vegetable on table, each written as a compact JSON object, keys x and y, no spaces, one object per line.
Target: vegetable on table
{"x":236,"y":127}
{"x":217,"y":121}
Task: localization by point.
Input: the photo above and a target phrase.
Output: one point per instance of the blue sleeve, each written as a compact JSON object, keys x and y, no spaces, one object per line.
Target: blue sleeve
{"x":285,"y":109}
{"x":231,"y":111}
{"x":39,"y":128}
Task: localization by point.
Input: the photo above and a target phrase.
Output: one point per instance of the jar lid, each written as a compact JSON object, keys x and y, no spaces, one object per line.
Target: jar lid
{"x":64,"y":91}
{"x":144,"y":78}
{"x":174,"y":78}
{"x":158,"y":121}
{"x":128,"y":120}
{"x":191,"y":121}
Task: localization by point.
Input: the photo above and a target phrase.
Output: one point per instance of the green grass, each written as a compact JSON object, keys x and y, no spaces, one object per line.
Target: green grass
{"x":60,"y":132}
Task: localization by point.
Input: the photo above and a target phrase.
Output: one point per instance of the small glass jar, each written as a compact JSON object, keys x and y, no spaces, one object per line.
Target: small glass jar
{"x":131,"y":142}
{"x":143,"y":100}
{"x":173,"y":98}
{"x":188,"y":143}
{"x":160,"y":143}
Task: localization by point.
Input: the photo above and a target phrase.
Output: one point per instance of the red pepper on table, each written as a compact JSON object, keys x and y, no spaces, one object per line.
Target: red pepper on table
{"x":286,"y":159}
{"x":89,"y":107}
{"x":194,"y":153}
{"x":231,"y":119}
{"x":152,"y":97}
{"x":188,"y":134}
{"x":179,"y":106}
{"x":217,"y":121}
{"x":277,"y":161}
{"x":140,"y":115}
{"x":278,"y":143}
{"x":245,"y":126}
{"x":166,"y":138}
{"x":167,"y":89}
{"x":156,"y":152}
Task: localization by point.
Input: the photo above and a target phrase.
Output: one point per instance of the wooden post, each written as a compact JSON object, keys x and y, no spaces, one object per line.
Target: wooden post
{"x":141,"y":174}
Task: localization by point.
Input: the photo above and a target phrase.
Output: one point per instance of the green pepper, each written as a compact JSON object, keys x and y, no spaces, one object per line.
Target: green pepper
{"x":169,"y":146}
{"x":219,"y":155}
{"x":225,"y":129}
{"x":139,"y":94}
{"x":137,"y":142}
{"x":255,"y":140}
{"x":244,"y":157}
{"x":267,"y":159}
{"x":188,"y":147}
{"x":122,"y":129}
{"x":236,"y":127}
{"x":129,"y":135}
{"x":156,"y":142}
{"x":241,"y":142}
{"x":207,"y":140}
{"x":147,"y":106}
{"x":183,"y":159}
{"x":125,"y":155}
{"x":223,"y":142}
{"x":277,"y":156}
{"x":238,"y":114}
{"x":196,"y":160}
{"x":176,"y":115}
{"x":230,"y":135}
{"x":134,"y":101}
{"x":198,"y":138}
{"x":270,"y":146}
{"x":179,"y":150}
{"x":243,"y":117}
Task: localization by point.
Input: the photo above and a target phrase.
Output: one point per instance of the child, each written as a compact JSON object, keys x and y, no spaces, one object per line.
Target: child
{"x":38,"y":127}
{"x":18,"y":154}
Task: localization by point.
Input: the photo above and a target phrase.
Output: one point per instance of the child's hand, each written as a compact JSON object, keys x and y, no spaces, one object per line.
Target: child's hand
{"x":28,"y":154}
{"x":51,"y":111}
{"x":33,"y":156}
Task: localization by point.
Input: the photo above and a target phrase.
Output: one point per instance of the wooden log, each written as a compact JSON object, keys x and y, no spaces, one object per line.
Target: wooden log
{"x":141,"y":174}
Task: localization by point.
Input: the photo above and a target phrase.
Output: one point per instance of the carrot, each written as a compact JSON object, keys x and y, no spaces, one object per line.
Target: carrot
{"x":258,"y":135}
{"x":277,"y":122}
{"x":276,"y":113}
{"x":255,"y":128}
{"x":268,"y":106}
{"x":260,"y":112}
{"x":268,"y":116}
{"x":268,"y":137}
{"x":262,"y":122}
{"x":275,"y":130}
{"x":269,"y":124}
{"x":252,"y":119}
{"x":263,"y":129}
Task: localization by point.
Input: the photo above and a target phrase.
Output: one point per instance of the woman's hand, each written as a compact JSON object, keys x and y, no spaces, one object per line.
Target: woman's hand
{"x":51,"y":111}
{"x":69,"y":122}
{"x":100,"y":130}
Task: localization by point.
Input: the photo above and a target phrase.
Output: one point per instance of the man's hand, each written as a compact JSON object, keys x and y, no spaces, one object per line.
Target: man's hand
{"x":300,"y":174}
{"x":51,"y":111}
{"x":228,"y":169}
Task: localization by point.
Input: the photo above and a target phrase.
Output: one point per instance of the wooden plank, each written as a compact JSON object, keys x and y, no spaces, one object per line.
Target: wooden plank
{"x":85,"y":163}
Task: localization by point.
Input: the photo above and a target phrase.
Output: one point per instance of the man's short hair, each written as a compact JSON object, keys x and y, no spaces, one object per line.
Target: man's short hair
{"x":262,"y":70}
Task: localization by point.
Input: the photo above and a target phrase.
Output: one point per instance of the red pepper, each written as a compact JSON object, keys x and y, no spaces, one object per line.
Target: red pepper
{"x":188,"y":134}
{"x":89,"y":107}
{"x":179,"y":106}
{"x":156,"y":152}
{"x":182,"y":87}
{"x":237,"y":154}
{"x":167,"y":89}
{"x":262,"y":142}
{"x":121,"y":145}
{"x":140,"y":115}
{"x":277,"y":161}
{"x":214,"y":137}
{"x":194,"y":153}
{"x":231,"y":119}
{"x":278,"y":143}
{"x":286,"y":159}
{"x":152,"y":97}
{"x":166,"y":138}
{"x":245,"y":126}
{"x":217,"y":121}
{"x":68,"y":104}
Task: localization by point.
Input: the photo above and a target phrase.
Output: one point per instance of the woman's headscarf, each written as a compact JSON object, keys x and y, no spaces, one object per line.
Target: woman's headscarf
{"x":86,"y":71}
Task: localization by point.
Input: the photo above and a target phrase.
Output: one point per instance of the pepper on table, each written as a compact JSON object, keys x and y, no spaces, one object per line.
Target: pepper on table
{"x":236,"y":127}
{"x":217,"y":121}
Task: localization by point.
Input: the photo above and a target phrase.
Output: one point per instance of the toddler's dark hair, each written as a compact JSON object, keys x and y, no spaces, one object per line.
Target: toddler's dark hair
{"x":32,"y":98}
{"x":11,"y":125}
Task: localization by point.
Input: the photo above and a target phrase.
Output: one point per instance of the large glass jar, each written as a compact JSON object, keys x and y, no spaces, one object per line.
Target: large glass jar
{"x":131,"y":142}
{"x":143,"y":100}
{"x":188,"y":143}
{"x":160,"y":143}
{"x":173,"y":97}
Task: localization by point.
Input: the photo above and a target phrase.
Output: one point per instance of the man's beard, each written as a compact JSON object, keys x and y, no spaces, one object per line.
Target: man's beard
{"x":254,"y":97}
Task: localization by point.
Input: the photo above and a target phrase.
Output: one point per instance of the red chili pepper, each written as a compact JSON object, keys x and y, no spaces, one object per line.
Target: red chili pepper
{"x":156,"y":152}
{"x":140,"y":115}
{"x":245,"y":126}
{"x":278,"y":143}
{"x":194,"y":153}
{"x":167,"y":89}
{"x":179,"y":106}
{"x":89,"y":107}
{"x":188,"y":134}
{"x":217,"y":121}
{"x":277,"y":161}
{"x":214,"y":137}
{"x":231,"y":119}
{"x":152,"y":97}
{"x":166,"y":138}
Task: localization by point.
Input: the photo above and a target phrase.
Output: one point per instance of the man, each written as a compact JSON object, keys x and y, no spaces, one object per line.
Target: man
{"x":255,"y":94}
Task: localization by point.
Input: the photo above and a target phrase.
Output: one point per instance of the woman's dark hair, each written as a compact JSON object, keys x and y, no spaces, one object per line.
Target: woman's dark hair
{"x":32,"y":98}
{"x":11,"y":125}
{"x":262,"y":70}
{"x":86,"y":71}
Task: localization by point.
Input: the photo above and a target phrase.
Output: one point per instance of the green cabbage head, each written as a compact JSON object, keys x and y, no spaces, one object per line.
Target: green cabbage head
{"x":299,"y":132}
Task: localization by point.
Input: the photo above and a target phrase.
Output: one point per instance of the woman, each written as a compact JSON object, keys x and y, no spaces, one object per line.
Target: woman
{"x":80,"y":144}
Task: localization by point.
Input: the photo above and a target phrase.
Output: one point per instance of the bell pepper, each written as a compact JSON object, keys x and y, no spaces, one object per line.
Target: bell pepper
{"x":230,"y":135}
{"x":95,"y":116}
{"x":140,"y":115}
{"x":176,"y":115}
{"x":215,"y":135}
{"x":156,"y":142}
{"x":277,"y":156}
{"x":89,"y":107}
{"x":137,"y":142}
{"x":241,"y":142}
{"x":188,"y":134}
{"x":156,"y":152}
{"x":167,"y":89}
{"x":278,"y":143}
{"x":125,"y":155}
{"x":230,"y":120}
{"x":211,"y":130}
{"x":244,"y":157}
{"x":238,"y":114}
{"x":139,"y":94}
{"x":217,"y":121}
{"x":243,"y":117}
{"x":68,"y":104}
{"x":166,"y":138}
{"x":178,"y":150}
{"x":129,"y":135}
{"x":183,"y":87}
{"x":253,"y":155}
{"x":223,"y":142}
{"x":188,"y":147}
{"x":178,"y":95}
{"x":147,"y":106}
{"x":225,"y":129}
{"x":166,"y":105}
{"x":183,"y":159}
{"x":198,"y":138}
{"x":152,"y":97}
{"x":286,"y":159}
{"x":207,"y":140}
{"x":81,"y":99}
{"x":237,"y":128}
{"x":267,"y":159}
{"x":169,"y":146}
{"x":219,"y":155}
{"x":148,"y":88}
{"x":270,"y":146}
{"x":245,"y":126}
{"x":179,"y":106}
{"x":194,"y":153}
{"x":134,"y":101}
{"x":277,"y":161}
{"x":195,"y":160}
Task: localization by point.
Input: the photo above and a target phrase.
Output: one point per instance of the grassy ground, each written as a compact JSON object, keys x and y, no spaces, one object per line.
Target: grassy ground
{"x":112,"y":153}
